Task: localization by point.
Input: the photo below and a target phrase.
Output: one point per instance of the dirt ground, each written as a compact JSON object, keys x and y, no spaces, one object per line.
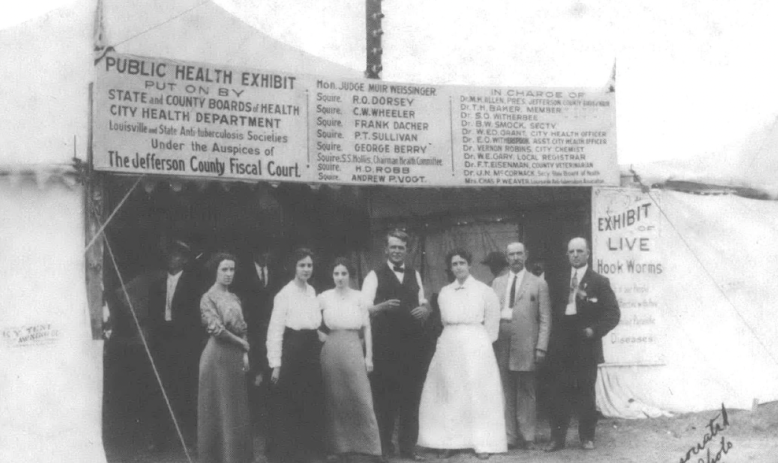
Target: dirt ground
{"x":753,"y":437}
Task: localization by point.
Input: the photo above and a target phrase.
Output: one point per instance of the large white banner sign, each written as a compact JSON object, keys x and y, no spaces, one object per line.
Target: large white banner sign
{"x":626,"y":248}
{"x":157,"y":116}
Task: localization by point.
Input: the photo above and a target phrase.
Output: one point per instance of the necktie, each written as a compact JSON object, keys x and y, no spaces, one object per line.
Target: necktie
{"x":513,"y":291}
{"x":264,"y":277}
{"x":398,"y":269}
{"x":573,"y":288}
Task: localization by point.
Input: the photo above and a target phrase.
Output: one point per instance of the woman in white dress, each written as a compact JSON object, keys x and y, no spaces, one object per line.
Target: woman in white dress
{"x":462,"y":402}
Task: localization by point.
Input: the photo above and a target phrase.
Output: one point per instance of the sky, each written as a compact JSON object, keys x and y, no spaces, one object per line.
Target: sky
{"x":693,"y":77}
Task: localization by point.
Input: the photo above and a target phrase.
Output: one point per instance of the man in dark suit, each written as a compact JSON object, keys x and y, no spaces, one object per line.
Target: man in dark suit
{"x":175,"y":340}
{"x":497,"y":264}
{"x":584,"y":310}
{"x":256,"y":287}
{"x":401,"y":345}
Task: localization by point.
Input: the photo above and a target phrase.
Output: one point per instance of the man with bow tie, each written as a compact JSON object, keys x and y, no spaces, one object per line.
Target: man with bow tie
{"x":400,"y":345}
{"x":585,"y":310}
{"x":525,"y":325}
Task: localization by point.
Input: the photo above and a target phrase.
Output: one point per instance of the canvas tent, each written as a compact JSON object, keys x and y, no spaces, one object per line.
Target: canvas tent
{"x":52,"y":368}
{"x":56,"y":368}
{"x":717,"y":344}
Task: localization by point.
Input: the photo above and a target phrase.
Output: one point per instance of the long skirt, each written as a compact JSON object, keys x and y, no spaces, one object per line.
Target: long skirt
{"x":350,"y":420}
{"x":296,"y":409}
{"x":223,"y":425}
{"x":462,"y":401}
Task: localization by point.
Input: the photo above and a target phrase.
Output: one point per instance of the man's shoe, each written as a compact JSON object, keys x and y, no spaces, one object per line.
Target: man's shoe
{"x":482,"y":456}
{"x":531,"y":446}
{"x":554,"y":445}
{"x":413,"y":456}
{"x":587,"y":445}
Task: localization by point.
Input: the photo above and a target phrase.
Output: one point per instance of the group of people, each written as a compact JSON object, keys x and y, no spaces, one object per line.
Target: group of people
{"x":345,"y":368}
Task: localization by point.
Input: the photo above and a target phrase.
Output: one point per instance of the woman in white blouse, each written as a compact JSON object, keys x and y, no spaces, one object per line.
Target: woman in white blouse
{"x":293,"y":349}
{"x":351,"y":426}
{"x":462,"y":402}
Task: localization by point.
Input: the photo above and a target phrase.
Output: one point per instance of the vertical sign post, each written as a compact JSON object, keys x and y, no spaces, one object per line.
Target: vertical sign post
{"x":373,"y":33}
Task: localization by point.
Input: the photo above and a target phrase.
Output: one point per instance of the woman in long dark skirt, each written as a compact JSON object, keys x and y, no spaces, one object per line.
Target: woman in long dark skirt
{"x":293,"y":348}
{"x":223,"y":425}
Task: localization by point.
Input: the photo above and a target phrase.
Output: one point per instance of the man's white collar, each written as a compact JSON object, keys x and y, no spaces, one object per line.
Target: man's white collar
{"x":579,"y":271}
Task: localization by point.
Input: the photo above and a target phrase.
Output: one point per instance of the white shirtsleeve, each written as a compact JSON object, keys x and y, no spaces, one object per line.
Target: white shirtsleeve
{"x":422,"y":299}
{"x":275,"y":330}
{"x":369,"y":288}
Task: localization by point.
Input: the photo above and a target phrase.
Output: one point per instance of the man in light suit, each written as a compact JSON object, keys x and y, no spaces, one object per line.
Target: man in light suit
{"x":585,"y":310}
{"x":525,"y":325}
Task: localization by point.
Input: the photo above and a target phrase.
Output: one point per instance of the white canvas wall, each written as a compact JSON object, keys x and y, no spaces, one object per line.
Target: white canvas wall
{"x":720,"y":340}
{"x":51,"y":374}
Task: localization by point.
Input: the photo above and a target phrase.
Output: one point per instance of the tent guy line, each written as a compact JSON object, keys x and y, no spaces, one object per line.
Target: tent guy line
{"x":160,"y":24}
{"x":110,"y":217}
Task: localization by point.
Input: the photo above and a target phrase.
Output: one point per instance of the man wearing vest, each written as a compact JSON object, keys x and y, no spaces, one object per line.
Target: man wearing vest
{"x":400,"y":345}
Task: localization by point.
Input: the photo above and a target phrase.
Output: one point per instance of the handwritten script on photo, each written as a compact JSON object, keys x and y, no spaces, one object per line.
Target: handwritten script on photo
{"x":714,"y":428}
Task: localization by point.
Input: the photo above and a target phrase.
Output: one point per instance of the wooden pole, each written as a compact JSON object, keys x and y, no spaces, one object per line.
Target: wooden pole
{"x":373,"y":33}
{"x":94,"y":214}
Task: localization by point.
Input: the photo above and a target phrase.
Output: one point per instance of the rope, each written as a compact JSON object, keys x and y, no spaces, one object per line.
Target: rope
{"x":160,"y":24}
{"x":148,"y":351}
{"x":110,"y":217}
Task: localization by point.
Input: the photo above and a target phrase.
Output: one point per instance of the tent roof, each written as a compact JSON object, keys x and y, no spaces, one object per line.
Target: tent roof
{"x":45,"y":89}
{"x":746,"y":168}
{"x":201,"y":31}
